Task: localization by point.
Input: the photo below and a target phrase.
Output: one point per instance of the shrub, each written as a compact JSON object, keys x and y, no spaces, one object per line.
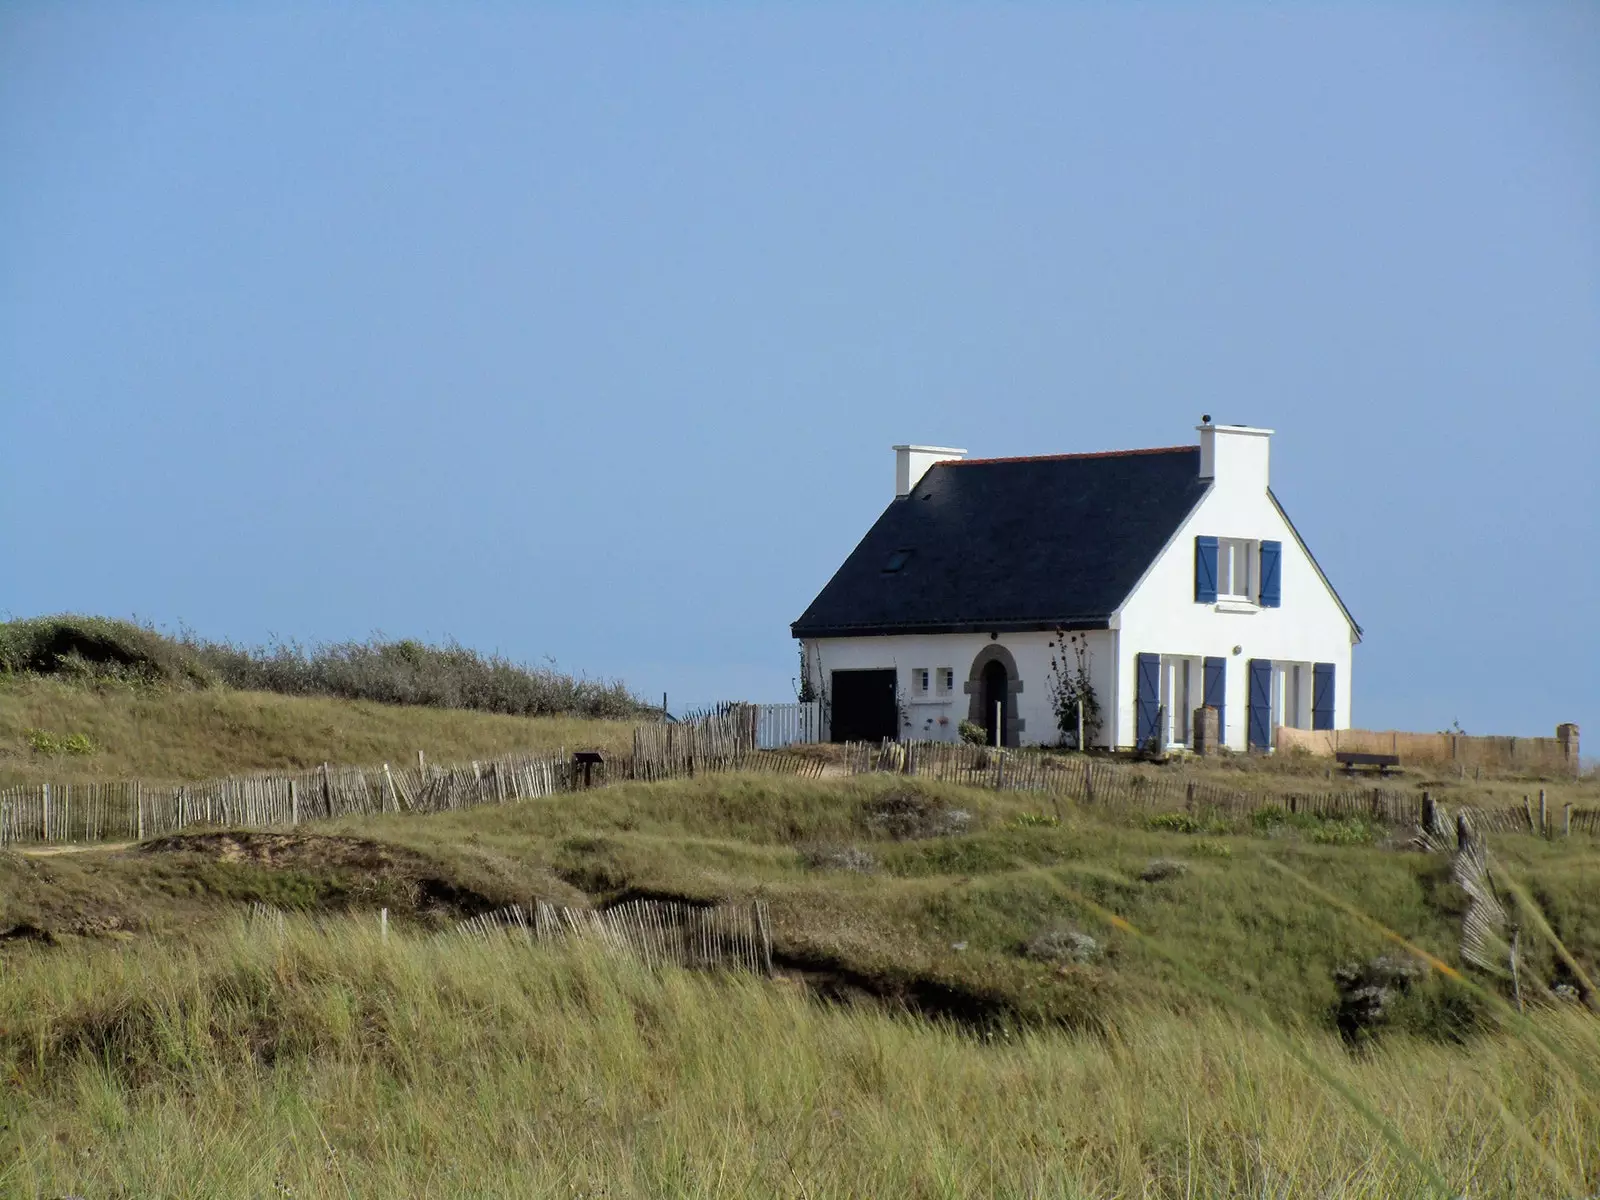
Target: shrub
{"x":402,"y":672}
{"x":1032,"y":820}
{"x":1345,"y":831}
{"x":1062,"y":946}
{"x":904,"y":816}
{"x":1187,"y":822}
{"x":45,"y":742}
{"x":972,"y":733}
{"x":1163,"y":868}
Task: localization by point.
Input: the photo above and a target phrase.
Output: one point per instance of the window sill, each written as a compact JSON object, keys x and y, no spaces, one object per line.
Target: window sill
{"x":932,"y":701}
{"x":1237,"y":606}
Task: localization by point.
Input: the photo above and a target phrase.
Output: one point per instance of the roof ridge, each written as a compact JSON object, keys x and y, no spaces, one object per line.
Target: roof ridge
{"x":1021,"y":458}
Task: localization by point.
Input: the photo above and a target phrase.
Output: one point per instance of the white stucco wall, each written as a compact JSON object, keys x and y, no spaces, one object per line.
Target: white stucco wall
{"x":1030,"y":651}
{"x":1162,"y":617}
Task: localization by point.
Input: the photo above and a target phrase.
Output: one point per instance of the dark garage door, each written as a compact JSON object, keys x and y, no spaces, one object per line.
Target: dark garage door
{"x":864,"y":708}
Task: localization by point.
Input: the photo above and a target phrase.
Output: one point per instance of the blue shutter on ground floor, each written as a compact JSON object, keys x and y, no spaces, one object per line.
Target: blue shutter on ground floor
{"x":1216,"y":694}
{"x":1322,"y":696}
{"x":1271,"y":574}
{"x":1205,"y":570}
{"x":1260,"y":704}
{"x":1146,"y":698}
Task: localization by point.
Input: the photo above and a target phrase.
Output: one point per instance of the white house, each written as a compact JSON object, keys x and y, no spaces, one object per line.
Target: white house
{"x":1176,"y":569}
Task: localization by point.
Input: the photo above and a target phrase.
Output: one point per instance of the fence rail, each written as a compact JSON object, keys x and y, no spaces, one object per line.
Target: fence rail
{"x":727,"y":740}
{"x":1091,"y":782}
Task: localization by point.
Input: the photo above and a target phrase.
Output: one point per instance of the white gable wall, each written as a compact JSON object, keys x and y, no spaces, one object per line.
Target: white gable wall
{"x":1162,"y":617}
{"x":905,"y":653}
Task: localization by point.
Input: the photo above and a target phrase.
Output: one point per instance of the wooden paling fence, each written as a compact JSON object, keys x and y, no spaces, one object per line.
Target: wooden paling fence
{"x":55,"y":813}
{"x":1093,"y":782}
{"x":733,"y":937}
{"x":93,"y":812}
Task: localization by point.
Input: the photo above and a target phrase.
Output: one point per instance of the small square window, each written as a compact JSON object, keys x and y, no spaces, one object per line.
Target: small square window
{"x":947,"y":680}
{"x":896,"y":561}
{"x":919,"y":680}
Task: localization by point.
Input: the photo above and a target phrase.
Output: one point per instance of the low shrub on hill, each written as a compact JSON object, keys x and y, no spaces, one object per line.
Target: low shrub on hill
{"x":399,"y":672}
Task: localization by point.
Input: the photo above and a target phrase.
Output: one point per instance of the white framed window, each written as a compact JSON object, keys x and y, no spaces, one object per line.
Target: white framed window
{"x":920,"y":681}
{"x":947,"y":681}
{"x":1237,"y":560}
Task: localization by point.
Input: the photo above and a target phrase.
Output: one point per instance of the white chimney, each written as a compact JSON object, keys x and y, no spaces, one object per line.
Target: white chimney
{"x":911,"y":463}
{"x":1234,"y":456}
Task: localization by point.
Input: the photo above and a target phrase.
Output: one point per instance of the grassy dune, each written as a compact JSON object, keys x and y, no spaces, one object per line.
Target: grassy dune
{"x":328,"y":1064}
{"x":153,"y":1045}
{"x":159,"y":733}
{"x":941,"y":922}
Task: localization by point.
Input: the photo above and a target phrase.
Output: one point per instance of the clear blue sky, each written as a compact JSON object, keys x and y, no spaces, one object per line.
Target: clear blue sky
{"x":585,"y":331}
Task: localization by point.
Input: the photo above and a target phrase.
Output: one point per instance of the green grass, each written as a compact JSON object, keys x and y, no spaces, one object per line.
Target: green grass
{"x":329,"y":1064}
{"x":193,"y":1057}
{"x":939,"y":921}
{"x":65,"y":731}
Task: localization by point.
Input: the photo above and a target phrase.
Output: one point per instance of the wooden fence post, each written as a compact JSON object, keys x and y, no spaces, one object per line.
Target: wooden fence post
{"x":138,"y":804}
{"x":294,"y":804}
{"x":1544,"y":816}
{"x":1188,"y":796}
{"x":44,"y":813}
{"x":1566,"y":820}
{"x":765,"y":933}
{"x":1088,"y":783}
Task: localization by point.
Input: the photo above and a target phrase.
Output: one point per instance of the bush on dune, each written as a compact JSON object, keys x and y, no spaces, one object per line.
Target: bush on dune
{"x":399,"y":672}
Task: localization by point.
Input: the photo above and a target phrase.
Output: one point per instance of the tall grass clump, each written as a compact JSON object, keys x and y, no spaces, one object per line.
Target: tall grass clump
{"x":387,"y":672}
{"x":325,"y":1062}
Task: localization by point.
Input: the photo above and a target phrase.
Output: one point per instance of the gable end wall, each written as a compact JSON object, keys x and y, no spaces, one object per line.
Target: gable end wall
{"x":1162,"y":617}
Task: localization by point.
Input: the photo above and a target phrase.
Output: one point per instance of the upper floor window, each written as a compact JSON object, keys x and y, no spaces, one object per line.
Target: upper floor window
{"x":1236,"y":569}
{"x":1239,"y":570}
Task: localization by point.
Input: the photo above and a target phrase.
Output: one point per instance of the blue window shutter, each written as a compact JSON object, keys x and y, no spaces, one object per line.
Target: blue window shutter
{"x":1216,"y":694}
{"x":1260,"y":704}
{"x":1322,"y":696}
{"x":1146,"y":697}
{"x":1205,"y":570}
{"x":1271,"y":574}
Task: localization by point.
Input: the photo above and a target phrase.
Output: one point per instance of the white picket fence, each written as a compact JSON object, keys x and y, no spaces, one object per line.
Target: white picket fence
{"x":779,"y":725}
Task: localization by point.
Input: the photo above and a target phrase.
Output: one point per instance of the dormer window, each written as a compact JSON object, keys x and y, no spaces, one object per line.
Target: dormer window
{"x":896,"y":561}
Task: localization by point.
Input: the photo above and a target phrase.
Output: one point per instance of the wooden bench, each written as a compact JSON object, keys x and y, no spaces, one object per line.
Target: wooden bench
{"x":1351,"y":759}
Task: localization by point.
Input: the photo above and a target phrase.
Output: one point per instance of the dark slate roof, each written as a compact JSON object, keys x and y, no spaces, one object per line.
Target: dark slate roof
{"x":1006,"y":544}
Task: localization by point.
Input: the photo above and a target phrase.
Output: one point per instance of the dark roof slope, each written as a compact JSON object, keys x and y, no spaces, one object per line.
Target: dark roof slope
{"x":1011,"y":543}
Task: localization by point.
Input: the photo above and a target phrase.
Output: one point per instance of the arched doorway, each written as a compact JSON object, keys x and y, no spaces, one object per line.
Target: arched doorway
{"x":993,"y":679}
{"x":996,"y":699}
